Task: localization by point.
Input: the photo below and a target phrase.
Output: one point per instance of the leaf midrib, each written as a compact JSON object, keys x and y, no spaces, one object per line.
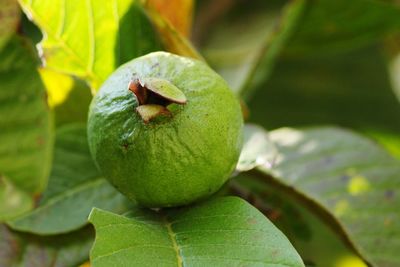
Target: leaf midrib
{"x":172,"y":236}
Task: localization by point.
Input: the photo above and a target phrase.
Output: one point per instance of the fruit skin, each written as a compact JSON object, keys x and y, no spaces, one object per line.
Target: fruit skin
{"x":175,"y":160}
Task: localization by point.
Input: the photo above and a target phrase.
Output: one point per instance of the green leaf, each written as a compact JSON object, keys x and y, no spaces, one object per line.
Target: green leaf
{"x":349,"y":177}
{"x":26,"y":127}
{"x":351,"y":90}
{"x":75,"y":187}
{"x":91,"y":39}
{"x":306,"y":230}
{"x":221,"y":232}
{"x":18,"y":249}
{"x":257,"y":149}
{"x":9,"y":18}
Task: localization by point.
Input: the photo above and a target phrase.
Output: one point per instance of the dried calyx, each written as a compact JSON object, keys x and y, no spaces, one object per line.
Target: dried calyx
{"x":154,"y":95}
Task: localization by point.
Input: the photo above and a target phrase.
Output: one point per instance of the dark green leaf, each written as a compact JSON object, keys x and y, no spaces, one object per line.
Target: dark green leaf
{"x":75,"y":187}
{"x":221,"y":232}
{"x":91,"y":39}
{"x":351,"y":178}
{"x":27,"y":250}
{"x":351,"y":90}
{"x":336,"y":26}
{"x":306,"y":230}
{"x":26,"y":129}
{"x":245,"y":55}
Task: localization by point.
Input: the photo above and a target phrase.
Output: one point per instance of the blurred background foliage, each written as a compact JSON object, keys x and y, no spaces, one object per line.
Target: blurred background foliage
{"x":294,"y":63}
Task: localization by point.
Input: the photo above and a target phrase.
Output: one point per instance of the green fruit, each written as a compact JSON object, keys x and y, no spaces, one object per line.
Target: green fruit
{"x":165,"y":130}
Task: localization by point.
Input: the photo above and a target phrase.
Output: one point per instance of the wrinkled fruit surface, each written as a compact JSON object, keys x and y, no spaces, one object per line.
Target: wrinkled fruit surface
{"x":171,"y":160}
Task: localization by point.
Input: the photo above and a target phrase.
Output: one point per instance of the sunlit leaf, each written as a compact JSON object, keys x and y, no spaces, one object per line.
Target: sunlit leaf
{"x":351,"y":178}
{"x":67,"y":96}
{"x":18,"y":249}
{"x":26,"y":127}
{"x":75,"y":187}
{"x":257,"y":148}
{"x":91,"y":39}
{"x":221,"y":232}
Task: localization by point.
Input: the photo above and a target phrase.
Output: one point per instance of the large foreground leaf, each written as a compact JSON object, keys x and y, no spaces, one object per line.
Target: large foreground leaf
{"x":351,"y":178}
{"x":222,"y":232}
{"x":17,"y":249}
{"x":90,"y":39}
{"x":75,"y":187}
{"x":25,"y":129}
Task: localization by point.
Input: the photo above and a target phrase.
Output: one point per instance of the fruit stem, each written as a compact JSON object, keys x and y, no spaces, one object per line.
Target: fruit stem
{"x":154,"y":95}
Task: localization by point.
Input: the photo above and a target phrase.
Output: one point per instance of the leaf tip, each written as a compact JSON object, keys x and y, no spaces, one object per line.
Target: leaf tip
{"x":92,"y":214}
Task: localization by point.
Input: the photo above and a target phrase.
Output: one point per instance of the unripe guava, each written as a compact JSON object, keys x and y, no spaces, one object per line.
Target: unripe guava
{"x":165,"y":130}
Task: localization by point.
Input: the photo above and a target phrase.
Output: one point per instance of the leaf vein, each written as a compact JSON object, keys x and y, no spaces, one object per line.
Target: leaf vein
{"x":174,"y":241}
{"x":133,"y":247}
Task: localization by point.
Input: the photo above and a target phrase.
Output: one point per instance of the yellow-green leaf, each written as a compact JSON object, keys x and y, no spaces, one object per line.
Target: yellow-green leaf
{"x":90,"y":39}
{"x":68,"y":96}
